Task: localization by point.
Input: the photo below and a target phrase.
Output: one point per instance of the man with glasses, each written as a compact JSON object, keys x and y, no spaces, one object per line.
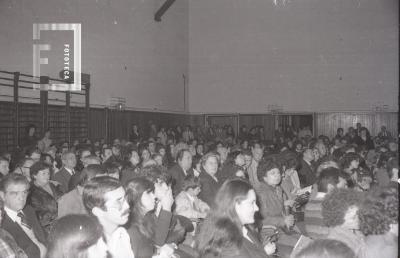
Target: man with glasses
{"x":104,"y":197}
{"x":20,"y":219}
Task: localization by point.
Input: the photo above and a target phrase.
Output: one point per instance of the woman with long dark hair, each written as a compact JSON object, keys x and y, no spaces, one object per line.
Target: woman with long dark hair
{"x":225,"y":232}
{"x":141,"y":198}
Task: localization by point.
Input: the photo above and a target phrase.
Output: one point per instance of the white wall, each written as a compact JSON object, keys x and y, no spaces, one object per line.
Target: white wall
{"x":240,"y":55}
{"x":309,"y":55}
{"x":126,"y":52}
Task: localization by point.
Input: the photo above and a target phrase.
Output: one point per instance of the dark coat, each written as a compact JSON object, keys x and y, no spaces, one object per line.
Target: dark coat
{"x":45,"y":205}
{"x":368,"y":142}
{"x":129,"y":172}
{"x":143,"y":246}
{"x":165,"y":231}
{"x":271,"y":201}
{"x":306,"y":174}
{"x":178,"y":176}
{"x":209,"y":188}
{"x":247,"y":250}
{"x":63,"y":177}
{"x":22,"y":239}
{"x":134,"y":137}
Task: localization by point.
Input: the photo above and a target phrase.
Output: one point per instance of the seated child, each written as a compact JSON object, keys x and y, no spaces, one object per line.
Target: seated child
{"x":187,"y":203}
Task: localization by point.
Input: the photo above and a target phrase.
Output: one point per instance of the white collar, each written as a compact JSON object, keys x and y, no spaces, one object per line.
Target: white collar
{"x":308,"y":162}
{"x":191,"y":198}
{"x":71,"y":171}
{"x":12,"y":214}
{"x":245,"y":234}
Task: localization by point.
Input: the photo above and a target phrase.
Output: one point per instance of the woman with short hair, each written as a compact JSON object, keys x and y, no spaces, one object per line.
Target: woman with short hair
{"x":208,"y":178}
{"x":44,"y":195}
{"x":340,"y":210}
{"x":379,"y":216}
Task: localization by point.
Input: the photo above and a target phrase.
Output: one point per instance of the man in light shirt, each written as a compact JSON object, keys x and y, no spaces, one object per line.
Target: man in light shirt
{"x":20,"y":219}
{"x":104,"y":197}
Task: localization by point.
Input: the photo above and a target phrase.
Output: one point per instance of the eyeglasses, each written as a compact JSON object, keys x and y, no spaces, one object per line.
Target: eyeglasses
{"x":16,"y":193}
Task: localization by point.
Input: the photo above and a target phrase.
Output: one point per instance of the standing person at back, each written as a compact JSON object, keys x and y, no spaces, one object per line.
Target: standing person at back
{"x":104,"y":198}
{"x":64,"y":175}
{"x":20,"y":219}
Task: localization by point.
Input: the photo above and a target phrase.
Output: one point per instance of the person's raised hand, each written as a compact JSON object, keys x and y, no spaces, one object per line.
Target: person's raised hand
{"x":270,"y":248}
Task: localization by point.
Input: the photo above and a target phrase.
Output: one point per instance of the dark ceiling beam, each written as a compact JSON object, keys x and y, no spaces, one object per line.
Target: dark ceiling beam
{"x":167,"y":4}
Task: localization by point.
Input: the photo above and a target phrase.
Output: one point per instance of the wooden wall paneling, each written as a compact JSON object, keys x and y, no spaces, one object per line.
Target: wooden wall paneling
{"x":97,"y":124}
{"x":57,"y":122}
{"x":222,"y":120}
{"x":269,"y":126}
{"x":79,"y":127}
{"x":327,"y":123}
{"x":7,"y":138}
{"x":390,"y":120}
{"x":30,"y":114}
{"x":267,"y":120}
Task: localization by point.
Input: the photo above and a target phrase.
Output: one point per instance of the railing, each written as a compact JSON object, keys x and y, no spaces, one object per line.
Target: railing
{"x":60,"y":111}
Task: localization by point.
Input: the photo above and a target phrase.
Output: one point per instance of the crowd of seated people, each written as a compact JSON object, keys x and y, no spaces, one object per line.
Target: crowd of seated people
{"x":202,"y":192}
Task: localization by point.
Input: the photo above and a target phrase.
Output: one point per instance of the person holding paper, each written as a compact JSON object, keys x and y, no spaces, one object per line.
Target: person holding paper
{"x":274,"y":204}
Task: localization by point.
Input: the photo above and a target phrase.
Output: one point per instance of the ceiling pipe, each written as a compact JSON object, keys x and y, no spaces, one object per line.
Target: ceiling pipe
{"x":167,"y":4}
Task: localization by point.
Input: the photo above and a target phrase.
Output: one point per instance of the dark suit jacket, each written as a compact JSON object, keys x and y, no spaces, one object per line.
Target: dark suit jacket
{"x":360,"y":142}
{"x":143,"y":246}
{"x":178,"y":176}
{"x":209,"y":188}
{"x":63,"y":177}
{"x":45,"y":205}
{"x":306,"y":174}
{"x":247,"y":250}
{"x":22,"y":239}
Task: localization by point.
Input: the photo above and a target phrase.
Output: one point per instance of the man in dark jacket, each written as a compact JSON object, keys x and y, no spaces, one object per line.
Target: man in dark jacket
{"x":181,"y":170}
{"x":20,"y":219}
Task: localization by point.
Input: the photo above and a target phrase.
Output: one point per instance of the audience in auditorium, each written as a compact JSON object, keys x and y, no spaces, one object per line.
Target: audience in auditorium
{"x":190,"y":193}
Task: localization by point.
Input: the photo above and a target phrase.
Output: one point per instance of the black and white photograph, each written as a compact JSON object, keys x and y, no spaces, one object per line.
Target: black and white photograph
{"x":199,"y":128}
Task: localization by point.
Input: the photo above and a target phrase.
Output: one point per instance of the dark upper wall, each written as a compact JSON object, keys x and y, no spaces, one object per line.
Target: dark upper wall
{"x":308,"y":55}
{"x":126,"y":52}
